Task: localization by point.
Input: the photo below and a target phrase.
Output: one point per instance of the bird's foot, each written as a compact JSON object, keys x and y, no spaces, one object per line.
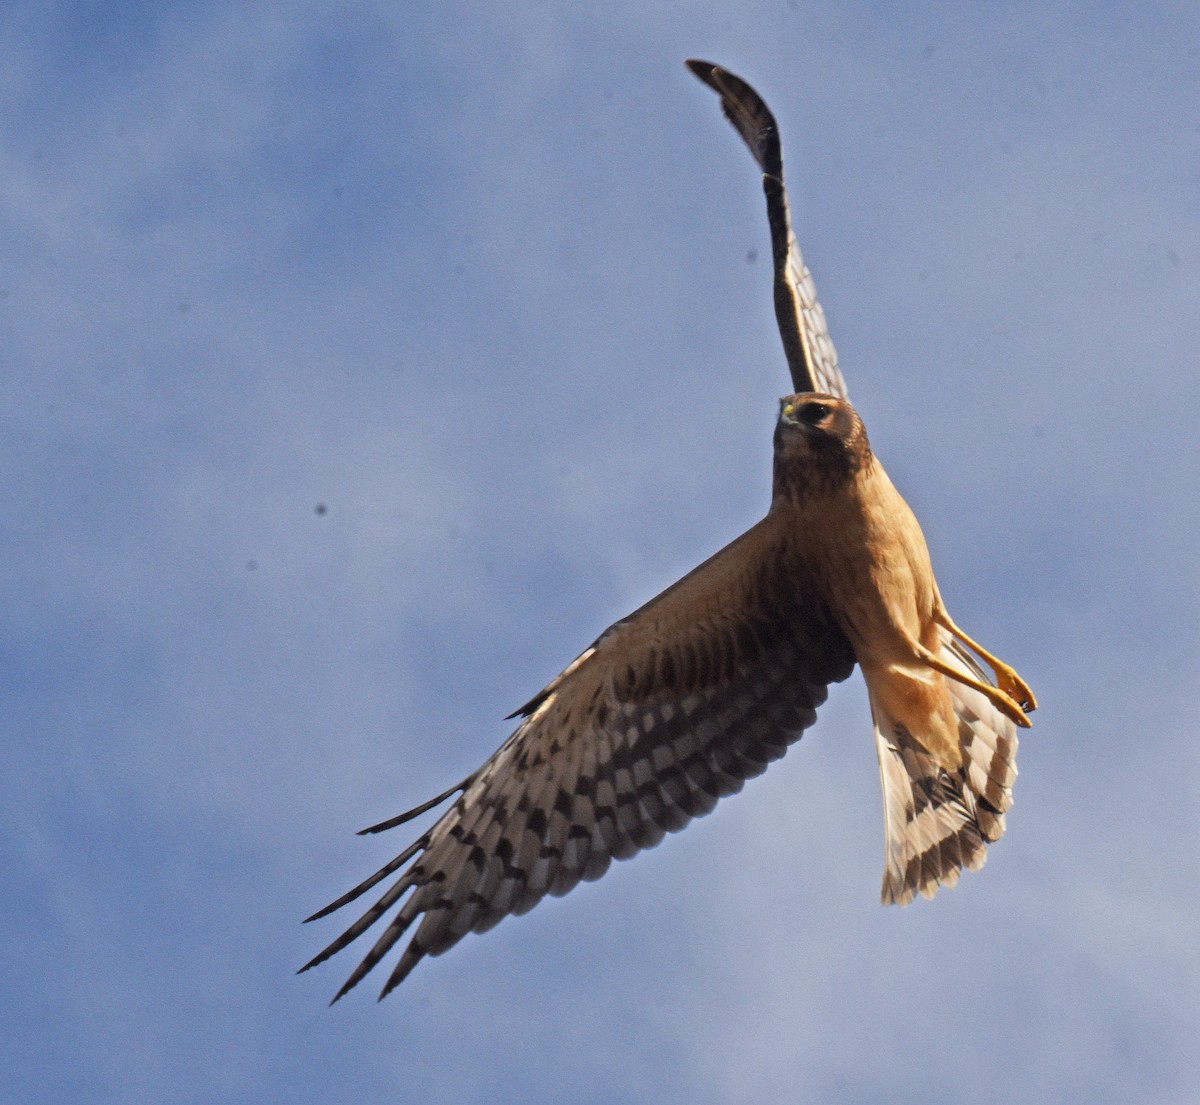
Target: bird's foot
{"x":1014,"y":687}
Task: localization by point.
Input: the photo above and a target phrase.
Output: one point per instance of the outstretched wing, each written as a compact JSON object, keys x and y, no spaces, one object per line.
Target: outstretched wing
{"x":671,"y":709}
{"x":806,"y":342}
{"x":936,"y":822}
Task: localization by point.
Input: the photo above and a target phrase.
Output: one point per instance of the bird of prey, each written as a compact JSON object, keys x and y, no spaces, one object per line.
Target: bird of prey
{"x":675,"y":706}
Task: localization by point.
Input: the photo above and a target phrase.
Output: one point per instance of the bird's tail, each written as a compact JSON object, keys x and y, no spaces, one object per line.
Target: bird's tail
{"x":939,"y":819}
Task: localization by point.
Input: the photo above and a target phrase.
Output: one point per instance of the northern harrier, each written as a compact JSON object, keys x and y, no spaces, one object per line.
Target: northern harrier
{"x":678,"y":704}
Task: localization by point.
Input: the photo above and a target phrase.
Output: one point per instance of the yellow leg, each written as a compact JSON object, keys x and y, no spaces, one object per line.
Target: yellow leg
{"x":1004,"y":703}
{"x":1006,"y":678}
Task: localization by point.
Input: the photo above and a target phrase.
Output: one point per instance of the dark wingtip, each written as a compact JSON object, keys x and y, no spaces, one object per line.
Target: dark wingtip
{"x":408,"y":815}
{"x":413,"y":954}
{"x":530,"y":706}
{"x":705,"y":71}
{"x":326,"y":952}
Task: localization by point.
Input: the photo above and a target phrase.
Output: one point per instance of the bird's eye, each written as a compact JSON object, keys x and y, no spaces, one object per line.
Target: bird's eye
{"x":812,"y":413}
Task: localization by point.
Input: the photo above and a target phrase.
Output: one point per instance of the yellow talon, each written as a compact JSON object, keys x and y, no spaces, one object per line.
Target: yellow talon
{"x":1015,"y":690}
{"x":1014,"y":686}
{"x":1003,"y":701}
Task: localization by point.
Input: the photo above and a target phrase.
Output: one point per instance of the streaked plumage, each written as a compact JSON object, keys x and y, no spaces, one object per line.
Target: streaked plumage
{"x":678,"y":704}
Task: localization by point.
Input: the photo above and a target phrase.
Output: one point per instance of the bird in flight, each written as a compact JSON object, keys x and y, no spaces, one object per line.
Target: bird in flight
{"x":675,"y":706}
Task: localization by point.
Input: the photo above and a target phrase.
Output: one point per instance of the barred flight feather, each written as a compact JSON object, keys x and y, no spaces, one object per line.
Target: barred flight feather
{"x":700,"y":689}
{"x":673,"y":709}
{"x":938,"y":821}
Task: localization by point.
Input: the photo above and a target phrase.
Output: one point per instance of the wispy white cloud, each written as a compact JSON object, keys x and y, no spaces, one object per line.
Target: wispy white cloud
{"x":435,"y":272}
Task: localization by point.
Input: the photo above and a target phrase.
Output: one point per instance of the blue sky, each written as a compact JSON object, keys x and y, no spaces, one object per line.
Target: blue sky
{"x":489,"y":283}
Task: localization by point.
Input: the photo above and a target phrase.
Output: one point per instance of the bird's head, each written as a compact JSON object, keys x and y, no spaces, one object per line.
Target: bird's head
{"x":820,"y":444}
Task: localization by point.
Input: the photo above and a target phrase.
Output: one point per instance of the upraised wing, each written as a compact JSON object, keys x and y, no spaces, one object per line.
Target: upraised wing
{"x":806,"y":342}
{"x":938,"y":821}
